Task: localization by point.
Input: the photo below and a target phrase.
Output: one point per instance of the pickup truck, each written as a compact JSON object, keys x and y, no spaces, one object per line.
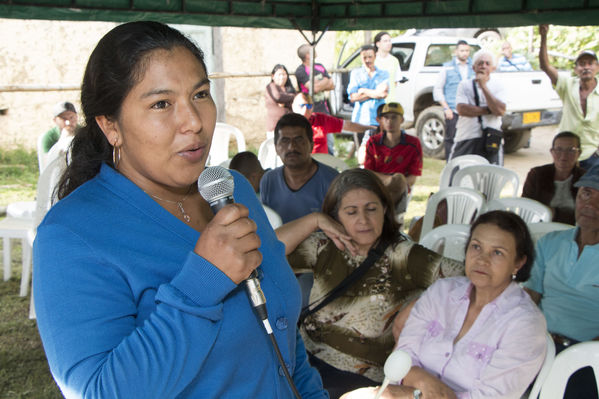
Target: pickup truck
{"x":531,"y":100}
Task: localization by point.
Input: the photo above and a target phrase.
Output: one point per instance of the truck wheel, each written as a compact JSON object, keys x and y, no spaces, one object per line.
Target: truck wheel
{"x":430,"y":128}
{"x":515,"y":139}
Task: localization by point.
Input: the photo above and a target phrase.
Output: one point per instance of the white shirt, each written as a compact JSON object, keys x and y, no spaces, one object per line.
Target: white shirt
{"x":468,"y":127}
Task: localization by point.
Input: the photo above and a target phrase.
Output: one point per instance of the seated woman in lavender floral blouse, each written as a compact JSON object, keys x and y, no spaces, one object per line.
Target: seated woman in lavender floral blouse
{"x":478,"y":336}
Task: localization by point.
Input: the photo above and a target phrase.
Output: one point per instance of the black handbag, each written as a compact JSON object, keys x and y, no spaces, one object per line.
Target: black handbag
{"x":491,"y":137}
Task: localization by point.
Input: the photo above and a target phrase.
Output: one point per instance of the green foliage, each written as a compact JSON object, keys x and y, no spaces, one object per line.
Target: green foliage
{"x":567,"y":41}
{"x":18,"y":175}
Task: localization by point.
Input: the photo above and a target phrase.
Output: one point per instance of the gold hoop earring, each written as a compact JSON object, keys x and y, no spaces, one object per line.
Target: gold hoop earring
{"x":116,"y":155}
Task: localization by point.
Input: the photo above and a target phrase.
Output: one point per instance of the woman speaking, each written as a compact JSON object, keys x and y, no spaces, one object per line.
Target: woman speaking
{"x":137,"y":283}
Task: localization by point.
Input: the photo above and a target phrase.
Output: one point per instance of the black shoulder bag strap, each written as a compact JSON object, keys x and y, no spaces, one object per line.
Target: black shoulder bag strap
{"x":373,"y":255}
{"x":477,"y":102}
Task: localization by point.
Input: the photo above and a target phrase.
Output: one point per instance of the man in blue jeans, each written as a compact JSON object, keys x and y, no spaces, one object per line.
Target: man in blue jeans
{"x":446,"y":89}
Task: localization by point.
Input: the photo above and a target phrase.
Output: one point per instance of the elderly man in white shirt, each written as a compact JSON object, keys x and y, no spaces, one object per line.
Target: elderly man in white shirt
{"x":469,"y":138}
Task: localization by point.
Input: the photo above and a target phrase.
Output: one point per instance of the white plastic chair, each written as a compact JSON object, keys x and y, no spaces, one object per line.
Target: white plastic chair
{"x":448,"y":240}
{"x":462,"y":205}
{"x":45,"y":198}
{"x":273,"y":217}
{"x":529,"y":210}
{"x":267,"y":154}
{"x":566,"y":363}
{"x":457,"y":163}
{"x":41,"y":155}
{"x":15,"y":228}
{"x":21,"y":209}
{"x":331,"y":161}
{"x":491,"y":180}
{"x":219,"y":149}
{"x":538,"y":230}
{"x":545,"y":369}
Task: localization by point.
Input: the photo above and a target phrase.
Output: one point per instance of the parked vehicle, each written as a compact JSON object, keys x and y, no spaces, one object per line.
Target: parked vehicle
{"x":531,"y":100}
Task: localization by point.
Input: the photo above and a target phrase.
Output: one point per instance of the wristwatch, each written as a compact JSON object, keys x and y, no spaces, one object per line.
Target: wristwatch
{"x":417,"y":393}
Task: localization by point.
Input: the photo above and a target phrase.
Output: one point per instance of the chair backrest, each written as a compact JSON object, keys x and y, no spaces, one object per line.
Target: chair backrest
{"x":448,"y":240}
{"x":462,"y":205}
{"x":457,"y":163}
{"x":219,"y":149}
{"x":545,"y":368}
{"x":267,"y":155}
{"x":490,"y":180}
{"x":41,"y":155}
{"x":46,"y":188}
{"x":529,"y":210}
{"x":538,"y":230}
{"x":566,"y":363}
{"x":331,"y":161}
{"x":273,"y":217}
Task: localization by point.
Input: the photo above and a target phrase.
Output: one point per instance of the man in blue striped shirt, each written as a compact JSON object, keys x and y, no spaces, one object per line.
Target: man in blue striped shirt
{"x":511,"y":62}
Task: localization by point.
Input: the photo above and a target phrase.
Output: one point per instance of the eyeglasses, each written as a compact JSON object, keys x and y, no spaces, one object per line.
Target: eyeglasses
{"x":308,"y":106}
{"x":566,"y":151}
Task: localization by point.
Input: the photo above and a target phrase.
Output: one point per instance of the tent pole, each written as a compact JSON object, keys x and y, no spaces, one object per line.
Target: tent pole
{"x":312,"y":57}
{"x":313,"y":44}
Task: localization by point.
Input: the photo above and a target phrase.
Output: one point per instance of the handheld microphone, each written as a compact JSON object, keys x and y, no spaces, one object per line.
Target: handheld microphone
{"x":216,"y":186}
{"x":396,"y":367}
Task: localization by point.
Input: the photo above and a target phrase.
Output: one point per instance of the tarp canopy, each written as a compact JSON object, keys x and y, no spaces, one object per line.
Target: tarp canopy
{"x":314,"y":15}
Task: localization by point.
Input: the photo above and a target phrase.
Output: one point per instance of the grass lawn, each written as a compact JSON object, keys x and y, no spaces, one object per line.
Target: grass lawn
{"x":24,"y":371}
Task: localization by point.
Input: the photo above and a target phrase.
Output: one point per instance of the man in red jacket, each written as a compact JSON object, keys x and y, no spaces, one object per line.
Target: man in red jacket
{"x":323,"y":124}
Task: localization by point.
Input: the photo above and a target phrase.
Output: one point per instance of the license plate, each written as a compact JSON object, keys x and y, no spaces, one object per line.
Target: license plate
{"x":531,"y":117}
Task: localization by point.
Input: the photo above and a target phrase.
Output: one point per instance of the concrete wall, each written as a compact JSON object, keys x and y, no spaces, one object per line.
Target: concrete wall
{"x":52,"y":53}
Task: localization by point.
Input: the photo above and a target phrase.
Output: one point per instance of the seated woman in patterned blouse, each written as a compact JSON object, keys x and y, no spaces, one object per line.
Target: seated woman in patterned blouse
{"x":478,"y":336}
{"x":350,"y":338}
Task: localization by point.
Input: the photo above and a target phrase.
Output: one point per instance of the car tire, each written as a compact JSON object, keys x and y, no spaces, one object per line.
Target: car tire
{"x":430,"y":128}
{"x":515,"y":139}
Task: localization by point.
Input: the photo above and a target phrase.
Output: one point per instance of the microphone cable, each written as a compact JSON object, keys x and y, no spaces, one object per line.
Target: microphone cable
{"x":216,"y":186}
{"x":258,"y":302}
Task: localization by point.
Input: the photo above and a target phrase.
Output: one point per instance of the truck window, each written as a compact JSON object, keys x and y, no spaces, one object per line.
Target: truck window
{"x":356,"y":62}
{"x":437,"y":54}
{"x":403,"y":52}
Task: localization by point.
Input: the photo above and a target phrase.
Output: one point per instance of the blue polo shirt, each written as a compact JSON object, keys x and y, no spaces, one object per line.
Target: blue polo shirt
{"x":293,"y":204}
{"x":569,"y":285}
{"x":365,"y":111}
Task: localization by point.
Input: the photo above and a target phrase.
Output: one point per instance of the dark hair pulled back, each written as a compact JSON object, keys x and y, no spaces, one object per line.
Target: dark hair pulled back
{"x":115,"y":66}
{"x":513,"y":224}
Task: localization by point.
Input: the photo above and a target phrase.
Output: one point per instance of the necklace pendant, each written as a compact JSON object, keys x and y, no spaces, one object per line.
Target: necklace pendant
{"x":185,"y":215}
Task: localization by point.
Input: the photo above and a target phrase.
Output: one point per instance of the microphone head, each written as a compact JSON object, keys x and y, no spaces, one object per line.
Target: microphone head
{"x":216,"y":183}
{"x":397,"y":365}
